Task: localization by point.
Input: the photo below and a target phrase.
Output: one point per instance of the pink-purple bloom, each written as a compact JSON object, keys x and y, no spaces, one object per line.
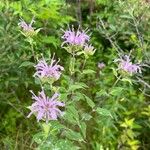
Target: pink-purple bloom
{"x":126,"y":65}
{"x":26,"y":27}
{"x":45,"y":108}
{"x":73,"y":37}
{"x":89,"y":49}
{"x":101,"y":65}
{"x":43,"y":70}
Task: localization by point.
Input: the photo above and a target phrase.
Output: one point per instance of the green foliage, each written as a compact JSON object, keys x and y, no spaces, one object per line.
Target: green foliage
{"x":104,"y":108}
{"x":17,"y":60}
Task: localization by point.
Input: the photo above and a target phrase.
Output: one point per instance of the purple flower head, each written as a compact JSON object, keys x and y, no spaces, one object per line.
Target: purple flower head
{"x":126,"y":65}
{"x":28,"y":30}
{"x":43,"y":70}
{"x":46,"y":108}
{"x":89,"y":49}
{"x":101,"y":65}
{"x":26,"y":27}
{"x":73,"y":37}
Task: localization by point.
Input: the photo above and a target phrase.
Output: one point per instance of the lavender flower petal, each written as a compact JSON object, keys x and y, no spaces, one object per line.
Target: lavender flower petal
{"x":43,"y":70}
{"x":126,"y":65}
{"x":73,"y":37}
{"x":46,"y":108}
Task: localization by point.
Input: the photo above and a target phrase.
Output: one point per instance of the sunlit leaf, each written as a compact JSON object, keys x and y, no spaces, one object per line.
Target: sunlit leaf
{"x":90,"y":102}
{"x":88,"y":71}
{"x":76,"y":136}
{"x":116,"y":91}
{"x":103,"y":112}
{"x":27,"y":64}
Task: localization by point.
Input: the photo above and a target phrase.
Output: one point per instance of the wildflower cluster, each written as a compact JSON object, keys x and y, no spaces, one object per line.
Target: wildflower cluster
{"x":73,"y":37}
{"x":28,"y":30}
{"x":77,"y":42}
{"x":45,"y":71}
{"x":45,"y":108}
{"x":88,"y":104}
{"x":127,"y":66}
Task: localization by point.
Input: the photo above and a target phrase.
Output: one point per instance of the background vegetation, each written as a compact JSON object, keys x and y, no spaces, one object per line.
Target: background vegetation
{"x":118,"y":25}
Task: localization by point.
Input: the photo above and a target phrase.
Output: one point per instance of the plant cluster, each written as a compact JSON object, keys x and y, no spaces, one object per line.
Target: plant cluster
{"x":75,"y":83}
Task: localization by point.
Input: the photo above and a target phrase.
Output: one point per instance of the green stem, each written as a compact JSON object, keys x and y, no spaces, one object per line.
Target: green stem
{"x":116,"y":81}
{"x":33,"y":53}
{"x":84,"y":64}
{"x":72,"y":65}
{"x":30,"y":40}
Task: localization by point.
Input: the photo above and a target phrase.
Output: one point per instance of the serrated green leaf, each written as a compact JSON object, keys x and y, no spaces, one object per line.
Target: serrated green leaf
{"x":26,"y":64}
{"x":88,"y":71}
{"x":50,"y":40}
{"x":126,"y":16}
{"x":127,"y":80}
{"x":103,"y":112}
{"x":116,"y":91}
{"x":71,"y":115}
{"x":65,"y":145}
{"x":79,"y":53}
{"x":78,"y":96}
{"x":86,"y":116}
{"x":63,"y":97}
{"x":83,"y":129}
{"x":77,"y":86}
{"x":38,"y":138}
{"x":102,"y":93}
{"x":90,"y":102}
{"x":72,"y":135}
